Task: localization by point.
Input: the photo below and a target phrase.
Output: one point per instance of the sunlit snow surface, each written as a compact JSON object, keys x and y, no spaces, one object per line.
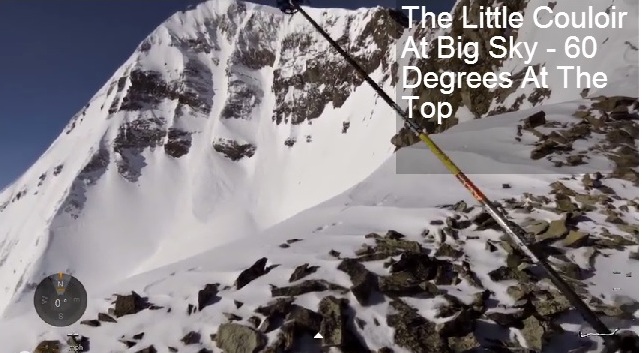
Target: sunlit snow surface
{"x":202,"y":218}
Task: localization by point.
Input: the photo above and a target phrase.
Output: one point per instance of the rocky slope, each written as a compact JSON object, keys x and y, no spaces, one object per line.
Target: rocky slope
{"x":441,"y":278}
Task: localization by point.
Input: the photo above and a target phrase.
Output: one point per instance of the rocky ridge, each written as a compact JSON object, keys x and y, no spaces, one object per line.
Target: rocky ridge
{"x":396,"y":270}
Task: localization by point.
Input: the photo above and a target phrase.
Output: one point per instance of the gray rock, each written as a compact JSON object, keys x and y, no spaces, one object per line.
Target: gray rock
{"x":332,"y":326}
{"x":537,"y":333}
{"x":575,"y":239}
{"x":549,"y":303}
{"x":413,"y":331}
{"x":535,"y":226}
{"x":463,"y":344}
{"x":237,"y":338}
{"x":556,"y":230}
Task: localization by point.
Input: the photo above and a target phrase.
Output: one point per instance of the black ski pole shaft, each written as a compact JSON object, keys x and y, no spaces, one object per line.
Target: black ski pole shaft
{"x":518,"y":235}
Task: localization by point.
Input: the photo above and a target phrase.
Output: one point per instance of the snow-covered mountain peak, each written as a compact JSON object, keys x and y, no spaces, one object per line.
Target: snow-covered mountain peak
{"x":213,"y":121}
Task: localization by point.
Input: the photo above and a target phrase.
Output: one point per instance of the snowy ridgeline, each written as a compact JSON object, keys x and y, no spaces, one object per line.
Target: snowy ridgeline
{"x":234,"y":160}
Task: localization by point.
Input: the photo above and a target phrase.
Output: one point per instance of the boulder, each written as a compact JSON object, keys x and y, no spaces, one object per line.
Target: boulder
{"x":364,"y":282}
{"x":253,"y":272}
{"x":129,"y":304}
{"x":237,"y":338}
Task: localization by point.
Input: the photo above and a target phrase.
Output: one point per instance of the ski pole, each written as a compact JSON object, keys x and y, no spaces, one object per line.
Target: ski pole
{"x":518,"y":235}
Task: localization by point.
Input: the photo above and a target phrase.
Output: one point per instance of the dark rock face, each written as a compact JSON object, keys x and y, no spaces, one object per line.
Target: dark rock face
{"x":96,"y":167}
{"x":197,"y":87}
{"x":328,"y":78}
{"x":254,"y":48}
{"x":234,"y":150}
{"x":200,"y":44}
{"x":89,"y":175}
{"x":147,"y":89}
{"x":244,"y":95}
{"x":134,"y":137}
{"x":178,"y":142}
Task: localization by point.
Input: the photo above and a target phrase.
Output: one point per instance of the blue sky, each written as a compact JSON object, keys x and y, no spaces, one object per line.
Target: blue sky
{"x":57,"y":53}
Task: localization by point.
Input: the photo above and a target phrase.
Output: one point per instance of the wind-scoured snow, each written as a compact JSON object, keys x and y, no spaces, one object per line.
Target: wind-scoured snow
{"x":109,"y":205}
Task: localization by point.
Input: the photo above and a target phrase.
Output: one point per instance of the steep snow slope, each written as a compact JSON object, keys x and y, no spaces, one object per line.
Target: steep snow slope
{"x":135,"y":181}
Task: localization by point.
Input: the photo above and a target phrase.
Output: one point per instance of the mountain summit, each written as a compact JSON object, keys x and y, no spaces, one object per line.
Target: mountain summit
{"x":235,"y":186}
{"x":228,"y":116}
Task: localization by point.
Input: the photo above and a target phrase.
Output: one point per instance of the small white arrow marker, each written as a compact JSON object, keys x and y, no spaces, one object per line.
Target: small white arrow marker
{"x":318,"y":335}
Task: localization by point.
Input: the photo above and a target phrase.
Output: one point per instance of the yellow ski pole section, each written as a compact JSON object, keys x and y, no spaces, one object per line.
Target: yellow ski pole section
{"x":452,"y":167}
{"x":518,"y":235}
